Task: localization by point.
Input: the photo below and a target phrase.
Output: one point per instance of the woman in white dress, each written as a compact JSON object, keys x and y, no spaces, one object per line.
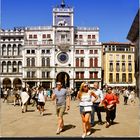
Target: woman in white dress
{"x":24,"y":99}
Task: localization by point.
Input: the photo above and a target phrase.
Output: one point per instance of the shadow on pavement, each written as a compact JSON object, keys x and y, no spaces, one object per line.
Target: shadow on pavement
{"x":67,"y":127}
{"x":94,"y":130}
{"x":115,"y":123}
{"x":45,"y":114}
{"x":65,"y":113}
{"x":96,"y":122}
{"x":30,"y":111}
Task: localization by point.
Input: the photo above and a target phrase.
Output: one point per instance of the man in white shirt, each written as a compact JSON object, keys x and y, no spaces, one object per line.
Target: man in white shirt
{"x":97,"y":104}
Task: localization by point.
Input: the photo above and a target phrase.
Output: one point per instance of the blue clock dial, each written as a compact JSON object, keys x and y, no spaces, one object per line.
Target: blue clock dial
{"x":63,"y":57}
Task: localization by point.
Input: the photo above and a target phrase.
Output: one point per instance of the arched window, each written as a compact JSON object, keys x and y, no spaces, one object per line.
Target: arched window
{"x":9,"y":50}
{"x":33,"y":61}
{"x":91,"y":62}
{"x":28,"y":62}
{"x":3,"y":49}
{"x":43,"y":61}
{"x":4,"y":68}
{"x":9,"y":66}
{"x":19,"y":66}
{"x":19,"y":49}
{"x":14,"y":49}
{"x":14,"y":66}
{"x":48,"y":61}
{"x":77,"y":62}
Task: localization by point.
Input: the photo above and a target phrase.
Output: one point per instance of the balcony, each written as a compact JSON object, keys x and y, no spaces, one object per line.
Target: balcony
{"x":32,"y":43}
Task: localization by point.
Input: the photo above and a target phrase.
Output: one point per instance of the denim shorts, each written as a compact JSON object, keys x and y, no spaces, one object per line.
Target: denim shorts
{"x":82,"y":111}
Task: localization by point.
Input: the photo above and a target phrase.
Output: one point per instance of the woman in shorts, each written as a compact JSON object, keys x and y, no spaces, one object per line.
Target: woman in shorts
{"x":85,"y":97}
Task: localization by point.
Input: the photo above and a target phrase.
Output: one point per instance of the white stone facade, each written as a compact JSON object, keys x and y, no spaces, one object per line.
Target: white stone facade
{"x":11,"y":43}
{"x":61,"y":52}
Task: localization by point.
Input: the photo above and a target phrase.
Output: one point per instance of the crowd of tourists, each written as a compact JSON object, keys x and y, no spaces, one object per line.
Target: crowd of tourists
{"x":91,"y":100}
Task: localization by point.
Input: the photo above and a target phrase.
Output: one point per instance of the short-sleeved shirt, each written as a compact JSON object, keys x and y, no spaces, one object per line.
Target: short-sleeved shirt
{"x":86,"y":99}
{"x":60,"y":96}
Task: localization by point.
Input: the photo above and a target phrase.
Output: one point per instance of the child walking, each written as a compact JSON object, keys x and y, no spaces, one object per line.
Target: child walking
{"x":41,"y":100}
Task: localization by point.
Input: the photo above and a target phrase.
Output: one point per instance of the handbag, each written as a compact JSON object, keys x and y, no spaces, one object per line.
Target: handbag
{"x":87,"y":108}
{"x":110,"y":107}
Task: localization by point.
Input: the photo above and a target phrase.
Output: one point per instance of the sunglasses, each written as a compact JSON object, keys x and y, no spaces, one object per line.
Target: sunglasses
{"x":86,"y":86}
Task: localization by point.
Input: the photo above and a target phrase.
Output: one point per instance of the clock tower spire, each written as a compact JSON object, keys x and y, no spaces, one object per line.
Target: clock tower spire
{"x":63,"y":4}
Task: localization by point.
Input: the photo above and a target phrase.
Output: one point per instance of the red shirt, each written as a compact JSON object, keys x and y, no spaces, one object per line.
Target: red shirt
{"x":110,"y":99}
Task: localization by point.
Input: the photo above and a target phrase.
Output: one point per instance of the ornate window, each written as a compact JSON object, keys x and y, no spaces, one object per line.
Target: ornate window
{"x":91,"y":75}
{"x":130,"y":77}
{"x":28,"y":62}
{"x":4,"y":69}
{"x":111,"y":67}
{"x":3,"y":49}
{"x":117,"y":77}
{"x":129,"y":67}
{"x":77,"y":62}
{"x":95,"y":62}
{"x":33,"y":61}
{"x":9,"y":50}
{"x":48,"y":61}
{"x":95,"y":75}
{"x":123,"y":77}
{"x":91,"y":62}
{"x":43,"y":61}
{"x":110,"y":77}
{"x":123,"y":67}
{"x":117,"y":67}
{"x":82,"y":62}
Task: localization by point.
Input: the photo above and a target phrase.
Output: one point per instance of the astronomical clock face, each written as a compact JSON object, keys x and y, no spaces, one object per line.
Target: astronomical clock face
{"x":63,"y":57}
{"x":62,"y":20}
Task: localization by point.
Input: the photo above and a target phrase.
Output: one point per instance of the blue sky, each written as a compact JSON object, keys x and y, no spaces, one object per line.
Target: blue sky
{"x":113,"y":17}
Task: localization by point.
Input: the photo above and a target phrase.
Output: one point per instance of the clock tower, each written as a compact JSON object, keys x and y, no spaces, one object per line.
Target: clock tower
{"x":62,"y":15}
{"x":63,"y":30}
{"x":63,"y":26}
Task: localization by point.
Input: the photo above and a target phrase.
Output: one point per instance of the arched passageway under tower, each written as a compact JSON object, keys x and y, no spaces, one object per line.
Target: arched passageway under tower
{"x":64,"y":78}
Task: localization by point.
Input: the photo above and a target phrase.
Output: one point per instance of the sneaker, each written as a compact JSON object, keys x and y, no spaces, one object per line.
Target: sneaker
{"x":61,"y":129}
{"x":58,"y":131}
{"x":88,"y":133}
{"x":84,"y":135}
{"x":107,"y":125}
